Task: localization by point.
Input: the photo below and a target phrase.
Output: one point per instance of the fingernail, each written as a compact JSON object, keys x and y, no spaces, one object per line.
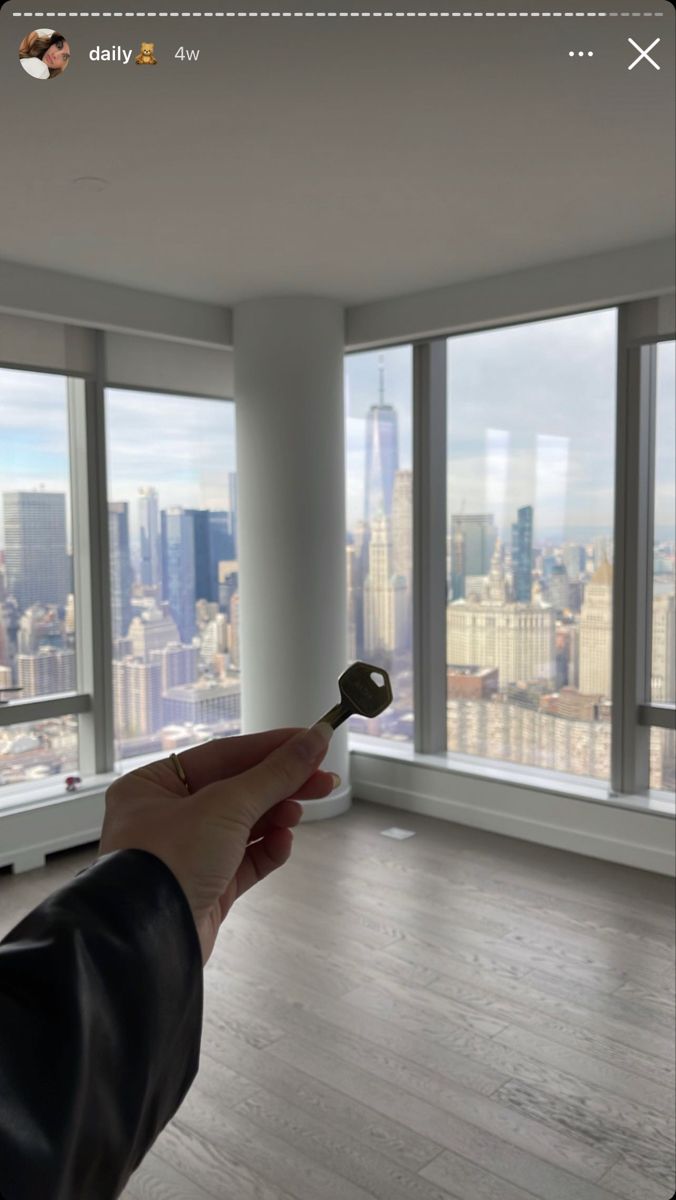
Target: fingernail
{"x":336,"y":780}
{"x":315,"y":740}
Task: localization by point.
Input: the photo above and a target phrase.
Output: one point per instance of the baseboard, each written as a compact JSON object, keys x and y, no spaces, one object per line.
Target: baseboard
{"x":634,"y":839}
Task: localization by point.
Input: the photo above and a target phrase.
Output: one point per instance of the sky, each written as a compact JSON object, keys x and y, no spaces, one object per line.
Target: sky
{"x":530,"y":421}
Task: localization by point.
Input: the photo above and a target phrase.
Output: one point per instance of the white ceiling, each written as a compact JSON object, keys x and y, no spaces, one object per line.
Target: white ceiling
{"x":356,"y":159}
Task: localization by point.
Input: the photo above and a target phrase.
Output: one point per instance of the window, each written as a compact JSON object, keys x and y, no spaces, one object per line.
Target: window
{"x":531,"y":420}
{"x":172,"y":522}
{"x":37,"y":602}
{"x":378,"y":414}
{"x":663,"y":652}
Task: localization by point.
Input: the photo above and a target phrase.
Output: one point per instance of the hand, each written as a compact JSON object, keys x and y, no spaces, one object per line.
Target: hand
{"x":235,"y":826}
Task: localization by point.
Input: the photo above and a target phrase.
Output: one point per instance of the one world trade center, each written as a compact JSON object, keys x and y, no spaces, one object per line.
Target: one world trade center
{"x":382,"y":454}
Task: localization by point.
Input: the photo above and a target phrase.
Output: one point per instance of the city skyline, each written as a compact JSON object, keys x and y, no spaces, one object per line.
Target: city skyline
{"x":522,"y":635}
{"x":492,"y":469}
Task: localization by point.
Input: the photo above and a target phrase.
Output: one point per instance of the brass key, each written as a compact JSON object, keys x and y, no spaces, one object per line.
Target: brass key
{"x":364,"y":689}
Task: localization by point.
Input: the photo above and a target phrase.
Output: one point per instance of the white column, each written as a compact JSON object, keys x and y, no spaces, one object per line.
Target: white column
{"x":288,"y":369}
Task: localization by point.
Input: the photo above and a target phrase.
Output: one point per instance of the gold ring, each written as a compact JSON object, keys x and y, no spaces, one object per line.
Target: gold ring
{"x":176,"y":764}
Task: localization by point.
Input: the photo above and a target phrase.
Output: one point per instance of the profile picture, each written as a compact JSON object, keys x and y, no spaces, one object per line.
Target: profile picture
{"x":44,"y":54}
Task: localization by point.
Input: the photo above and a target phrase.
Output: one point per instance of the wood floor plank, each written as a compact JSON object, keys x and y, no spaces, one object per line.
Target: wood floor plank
{"x":621,"y":1180}
{"x":468,"y":1181}
{"x":216,"y":1163}
{"x":644,"y":926}
{"x":333,"y":964}
{"x":407,"y":1060}
{"x":269,"y":1159}
{"x":557,"y":941}
{"x":461,"y":964}
{"x":156,"y":1179}
{"x":351,"y":1158}
{"x":513,"y":1168}
{"x":300,"y":909}
{"x":527,"y":1048}
{"x":662,"y":998}
{"x":643,"y":1142}
{"x":428,"y":1013}
{"x":287,"y":1082}
{"x":518,"y":1003}
{"x":460,"y":949}
{"x":478,"y":854}
{"x":459,"y":1103}
{"x":620,"y":1006}
{"x":554,"y":940}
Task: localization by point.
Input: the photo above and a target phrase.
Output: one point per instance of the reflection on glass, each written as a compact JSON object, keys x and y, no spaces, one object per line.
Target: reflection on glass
{"x":172,"y":520}
{"x":531,"y":433}
{"x":662,"y":760}
{"x":36,"y":750}
{"x":378,"y":412}
{"x":37,"y":608}
{"x":663,"y":674}
{"x":663,"y":664}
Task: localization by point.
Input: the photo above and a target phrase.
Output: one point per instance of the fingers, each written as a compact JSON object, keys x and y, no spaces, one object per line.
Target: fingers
{"x":288,"y":812}
{"x":317,"y":786}
{"x":224,"y":757}
{"x":262,"y":858}
{"x":284,"y":815}
{"x":280,"y":775}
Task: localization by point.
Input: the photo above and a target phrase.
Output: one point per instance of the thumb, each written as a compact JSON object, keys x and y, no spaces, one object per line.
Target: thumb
{"x":279,"y":775}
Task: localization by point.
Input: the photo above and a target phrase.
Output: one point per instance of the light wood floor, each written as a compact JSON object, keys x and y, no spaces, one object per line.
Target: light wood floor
{"x":454,"y":1015}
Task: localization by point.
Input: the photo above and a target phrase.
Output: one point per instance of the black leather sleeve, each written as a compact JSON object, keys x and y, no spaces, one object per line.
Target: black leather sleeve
{"x":100,"y":1026}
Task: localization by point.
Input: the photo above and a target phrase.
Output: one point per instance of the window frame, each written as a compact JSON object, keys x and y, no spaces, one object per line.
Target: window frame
{"x":638,"y":332}
{"x":633,"y":715}
{"x":92,"y":701}
{"x":79,"y":703}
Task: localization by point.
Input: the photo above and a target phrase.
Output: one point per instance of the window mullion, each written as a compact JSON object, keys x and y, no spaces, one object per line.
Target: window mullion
{"x":429,"y":541}
{"x":632,"y":568}
{"x":92,"y":583}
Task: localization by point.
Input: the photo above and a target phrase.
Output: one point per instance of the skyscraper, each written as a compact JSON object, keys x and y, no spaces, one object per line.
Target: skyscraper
{"x":149,"y":536}
{"x":473,"y":538}
{"x":200,"y":518}
{"x":402,"y":551}
{"x":221,"y":543}
{"x":574,"y":560}
{"x":357,"y":570}
{"x":178,"y":569}
{"x":522,"y":554}
{"x":378,"y":596}
{"x":35,"y":547}
{"x":4,"y":642}
{"x":382,"y":454}
{"x":47,"y":672}
{"x":458,"y":572}
{"x":235,"y":661}
{"x":233,"y":501}
{"x":558,"y":588}
{"x":518,"y":640}
{"x":663,"y":673}
{"x":137,"y":697}
{"x":596,"y":627}
{"x":152,"y":630}
{"x":178,"y":664}
{"x":121,"y":577}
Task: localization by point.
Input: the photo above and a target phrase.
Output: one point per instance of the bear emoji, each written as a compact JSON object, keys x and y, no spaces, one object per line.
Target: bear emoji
{"x":146,"y":57}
